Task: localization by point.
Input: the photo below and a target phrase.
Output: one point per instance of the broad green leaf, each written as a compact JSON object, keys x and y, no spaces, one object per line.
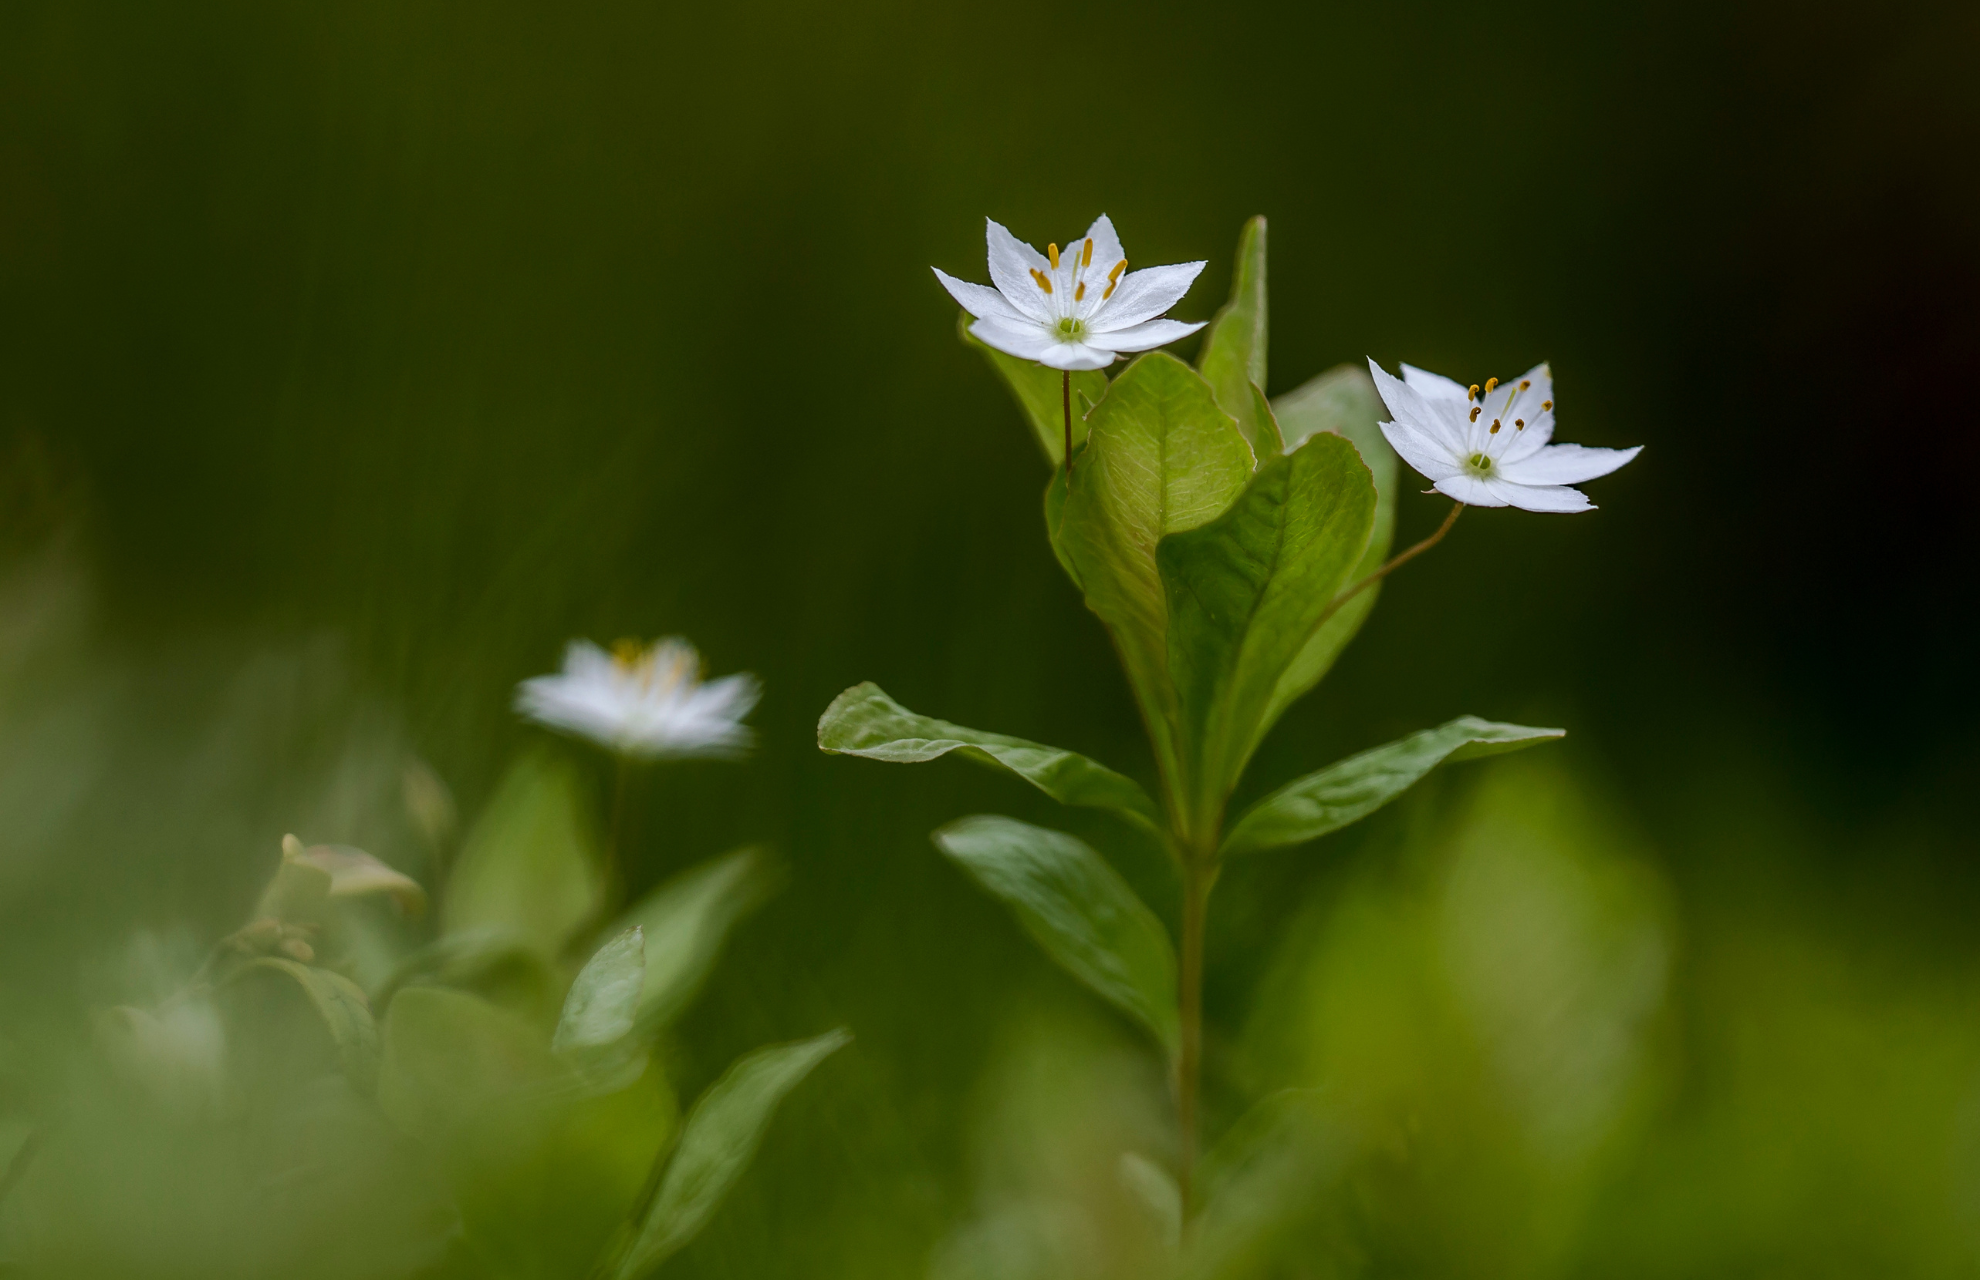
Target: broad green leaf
{"x":1341,"y":401}
{"x":1233,"y":359}
{"x":864,"y":721}
{"x":528,"y":869}
{"x":345,"y":1012}
{"x":544,"y":1169}
{"x":1039,"y":392}
{"x":1357,"y":786}
{"x":685,"y":922}
{"x":604,"y":999}
{"x":717,"y":1143}
{"x":1160,"y":458}
{"x":1247,"y":590}
{"x":1076,"y":907}
{"x":1055,"y":519}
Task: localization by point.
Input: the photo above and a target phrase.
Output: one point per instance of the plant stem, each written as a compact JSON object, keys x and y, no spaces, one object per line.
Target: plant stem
{"x":615,"y":873}
{"x":1395,"y":562}
{"x":1198,"y":876}
{"x":1065,"y":398}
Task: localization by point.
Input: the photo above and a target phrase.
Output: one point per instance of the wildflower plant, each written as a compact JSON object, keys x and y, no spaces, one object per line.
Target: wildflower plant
{"x":1232,"y":545}
{"x":506,"y":1018}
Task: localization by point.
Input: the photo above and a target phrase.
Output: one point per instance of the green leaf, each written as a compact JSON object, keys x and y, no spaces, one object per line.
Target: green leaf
{"x":1160,"y":458}
{"x":356,"y":874}
{"x":1076,"y":907}
{"x":864,"y":721}
{"x":1341,"y":401}
{"x":1357,"y":786}
{"x":300,"y":891}
{"x":345,"y":1012}
{"x":1246,"y":592}
{"x":685,"y":922}
{"x":719,"y":1140}
{"x":604,"y":999}
{"x":528,"y":869}
{"x":1039,"y":392}
{"x":1233,"y":359}
{"x":1055,"y":519}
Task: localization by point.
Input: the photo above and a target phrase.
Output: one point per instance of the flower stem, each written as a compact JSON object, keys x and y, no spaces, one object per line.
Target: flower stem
{"x":1395,"y":562}
{"x":615,"y":871}
{"x":1065,"y":398}
{"x":1198,"y":876}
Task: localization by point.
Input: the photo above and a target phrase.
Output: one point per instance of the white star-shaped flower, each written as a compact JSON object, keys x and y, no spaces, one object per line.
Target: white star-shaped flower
{"x":1072,"y":310}
{"x":1488,"y":446}
{"x":643,"y":701}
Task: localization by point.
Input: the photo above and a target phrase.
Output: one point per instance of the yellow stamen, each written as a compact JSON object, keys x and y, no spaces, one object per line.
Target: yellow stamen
{"x":1039,"y":276}
{"x":1114,"y":276}
{"x":1524,"y":384}
{"x":1489,"y":384}
{"x":627,"y":652}
{"x":1054,"y":251}
{"x":1472,"y":394}
{"x":1086,"y":254}
{"x":1079,"y":294}
{"x":1110,"y":291}
{"x":1547,"y":404}
{"x":1474,"y":412}
{"x":1495,"y":427}
{"x":1520,"y":423}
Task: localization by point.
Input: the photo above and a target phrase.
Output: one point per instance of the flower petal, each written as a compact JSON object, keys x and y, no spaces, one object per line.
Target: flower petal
{"x":1024,"y":339}
{"x":1540,"y":497}
{"x":980,"y":300}
{"x":1420,"y":451}
{"x":1143,"y":295}
{"x":1470,"y":490}
{"x":1076,"y":356}
{"x":1145,"y":336}
{"x":1106,"y":248}
{"x":1437,"y":422}
{"x":1566,"y":464}
{"x":1011,"y":263}
{"x":1432,"y":386}
{"x":1528,"y":440}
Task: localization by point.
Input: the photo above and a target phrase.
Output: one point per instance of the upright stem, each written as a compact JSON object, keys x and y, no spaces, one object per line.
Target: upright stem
{"x":1198,"y":876}
{"x":1065,"y":398}
{"x":615,"y":873}
{"x":1394,"y":562}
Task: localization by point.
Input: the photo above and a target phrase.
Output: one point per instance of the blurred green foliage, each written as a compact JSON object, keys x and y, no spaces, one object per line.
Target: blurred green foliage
{"x":354,"y":357}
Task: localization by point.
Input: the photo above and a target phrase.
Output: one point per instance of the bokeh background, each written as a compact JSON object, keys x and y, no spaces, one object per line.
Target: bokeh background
{"x":354,"y":356}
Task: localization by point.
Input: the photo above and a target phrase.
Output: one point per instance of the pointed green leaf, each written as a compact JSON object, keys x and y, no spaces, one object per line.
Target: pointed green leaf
{"x":1341,"y":401}
{"x":720,"y":1138}
{"x":604,"y":999}
{"x":1357,"y":786}
{"x":685,"y":922}
{"x":1076,"y":907}
{"x":527,"y":870}
{"x":864,"y":721}
{"x":1040,"y":394}
{"x":345,"y":1012}
{"x":1233,"y":359}
{"x":1055,"y":519}
{"x":1160,"y":458}
{"x":1246,"y":592}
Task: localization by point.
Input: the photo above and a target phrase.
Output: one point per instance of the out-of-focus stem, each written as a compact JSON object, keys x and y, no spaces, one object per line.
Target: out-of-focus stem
{"x":615,"y":874}
{"x":1198,"y":874}
{"x":1065,"y":398}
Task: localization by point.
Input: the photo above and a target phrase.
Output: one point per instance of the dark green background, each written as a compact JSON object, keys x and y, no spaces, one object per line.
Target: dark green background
{"x":425,"y":336}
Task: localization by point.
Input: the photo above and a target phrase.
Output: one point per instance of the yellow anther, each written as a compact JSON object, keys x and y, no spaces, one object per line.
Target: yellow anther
{"x":1039,"y":276}
{"x":627,"y":651}
{"x":1524,"y":384}
{"x":1114,"y":276}
{"x":1489,"y":384}
{"x":1546,"y":404}
{"x":1110,"y":291}
{"x":1474,"y":411}
{"x":1080,"y":293}
{"x":1086,"y":254}
{"x":1520,"y":423}
{"x":1054,"y":251}
{"x":1472,"y":394}
{"x":1495,"y":426}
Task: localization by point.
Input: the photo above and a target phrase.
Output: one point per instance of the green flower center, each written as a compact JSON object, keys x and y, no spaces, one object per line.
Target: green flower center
{"x":1072,"y":329}
{"x":1480,"y":464}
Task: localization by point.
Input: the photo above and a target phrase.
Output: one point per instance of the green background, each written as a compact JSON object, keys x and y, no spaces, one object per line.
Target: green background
{"x":353,"y":357}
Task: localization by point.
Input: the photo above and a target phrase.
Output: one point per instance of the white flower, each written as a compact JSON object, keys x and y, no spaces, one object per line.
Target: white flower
{"x":643,"y":701}
{"x":1487,"y":446}
{"x":1073,"y":310}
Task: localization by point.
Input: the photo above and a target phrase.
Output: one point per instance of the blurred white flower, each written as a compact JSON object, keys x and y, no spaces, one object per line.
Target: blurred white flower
{"x":646,"y":701}
{"x":1487,"y":446}
{"x":1072,"y":310}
